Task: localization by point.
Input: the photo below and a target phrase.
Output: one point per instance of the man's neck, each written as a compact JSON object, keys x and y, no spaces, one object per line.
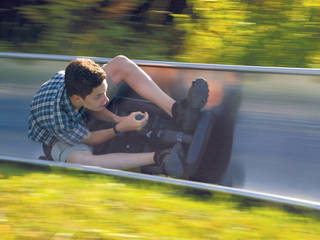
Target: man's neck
{"x":75,"y":104}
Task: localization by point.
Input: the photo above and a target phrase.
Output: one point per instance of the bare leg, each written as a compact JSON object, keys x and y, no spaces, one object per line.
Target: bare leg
{"x":112,"y":160}
{"x":121,"y":69}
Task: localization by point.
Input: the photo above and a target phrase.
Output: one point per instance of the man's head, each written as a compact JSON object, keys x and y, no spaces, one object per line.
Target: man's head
{"x":86,"y":84}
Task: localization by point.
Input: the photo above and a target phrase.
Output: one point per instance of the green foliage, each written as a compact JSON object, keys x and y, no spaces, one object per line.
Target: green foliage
{"x":44,"y":203}
{"x":268,"y":33}
{"x":286,"y":37}
{"x":215,"y":33}
{"x":49,"y":203}
{"x":245,"y":32}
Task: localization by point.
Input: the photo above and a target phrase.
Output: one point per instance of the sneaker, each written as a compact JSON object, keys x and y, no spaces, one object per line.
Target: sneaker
{"x":158,"y":167}
{"x":187,"y":111}
{"x":173,"y":163}
{"x":169,"y":162}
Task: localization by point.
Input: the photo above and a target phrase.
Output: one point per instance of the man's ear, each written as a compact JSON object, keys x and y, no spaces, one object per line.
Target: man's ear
{"x":76,"y":98}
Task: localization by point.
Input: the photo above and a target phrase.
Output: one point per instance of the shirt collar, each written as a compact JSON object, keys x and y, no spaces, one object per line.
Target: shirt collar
{"x":68,"y":108}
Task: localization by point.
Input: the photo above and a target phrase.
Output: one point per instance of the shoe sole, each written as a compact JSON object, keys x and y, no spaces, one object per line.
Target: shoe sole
{"x":198,"y":94}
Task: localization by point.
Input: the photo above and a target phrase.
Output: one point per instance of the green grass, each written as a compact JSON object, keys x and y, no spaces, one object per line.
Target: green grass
{"x":52,"y":203}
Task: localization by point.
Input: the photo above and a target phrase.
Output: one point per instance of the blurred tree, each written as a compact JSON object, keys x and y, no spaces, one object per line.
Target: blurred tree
{"x":167,"y":8}
{"x":283,"y":34}
{"x":247,"y":32}
{"x":14,"y":26}
{"x":252,"y":32}
{"x":215,"y":31}
{"x":96,"y":27}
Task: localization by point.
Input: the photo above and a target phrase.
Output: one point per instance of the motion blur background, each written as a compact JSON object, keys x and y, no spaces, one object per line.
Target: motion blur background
{"x":245,"y":32}
{"x":277,"y":132}
{"x":276,"y":135}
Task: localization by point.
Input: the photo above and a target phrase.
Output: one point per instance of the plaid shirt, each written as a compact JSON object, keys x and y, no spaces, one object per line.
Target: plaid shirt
{"x":52,"y":117}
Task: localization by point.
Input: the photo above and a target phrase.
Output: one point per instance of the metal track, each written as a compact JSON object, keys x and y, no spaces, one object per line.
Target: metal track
{"x":196,"y":185}
{"x":237,"y":68}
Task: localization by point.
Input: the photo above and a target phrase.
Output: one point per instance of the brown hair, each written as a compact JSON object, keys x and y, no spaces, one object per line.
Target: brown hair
{"x":82,"y":76}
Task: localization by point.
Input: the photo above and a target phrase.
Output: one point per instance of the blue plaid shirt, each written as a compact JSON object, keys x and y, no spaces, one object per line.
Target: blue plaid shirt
{"x":52,"y":117}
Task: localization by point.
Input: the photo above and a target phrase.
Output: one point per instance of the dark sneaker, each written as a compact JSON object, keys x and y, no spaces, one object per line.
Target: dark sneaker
{"x":168,"y":161}
{"x":178,"y":110}
{"x":173,"y":163}
{"x":187,"y":111}
{"x":198,"y":94}
{"x":158,"y":166}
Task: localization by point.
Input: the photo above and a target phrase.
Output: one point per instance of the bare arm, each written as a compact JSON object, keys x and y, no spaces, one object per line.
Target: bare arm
{"x":105,"y":115}
{"x":99,"y":136}
{"x":125,"y":124}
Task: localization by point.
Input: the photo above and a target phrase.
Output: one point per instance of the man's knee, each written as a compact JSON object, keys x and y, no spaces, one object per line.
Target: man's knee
{"x":120,"y":62}
{"x":118,"y":68}
{"x":121,"y":59}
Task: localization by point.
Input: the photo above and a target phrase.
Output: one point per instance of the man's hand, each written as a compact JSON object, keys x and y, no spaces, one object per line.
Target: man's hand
{"x":132,"y":122}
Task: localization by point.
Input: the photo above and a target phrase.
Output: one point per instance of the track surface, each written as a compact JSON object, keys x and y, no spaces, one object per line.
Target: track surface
{"x":277,"y":132}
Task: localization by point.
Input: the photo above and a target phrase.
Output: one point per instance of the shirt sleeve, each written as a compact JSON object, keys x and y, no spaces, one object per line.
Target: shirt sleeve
{"x":72,"y":136}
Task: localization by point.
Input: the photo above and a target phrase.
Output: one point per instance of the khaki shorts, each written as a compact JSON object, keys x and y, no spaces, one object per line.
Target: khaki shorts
{"x":60,"y":151}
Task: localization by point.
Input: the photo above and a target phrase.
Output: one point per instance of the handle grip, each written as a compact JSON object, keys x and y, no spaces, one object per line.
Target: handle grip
{"x":139,"y":117}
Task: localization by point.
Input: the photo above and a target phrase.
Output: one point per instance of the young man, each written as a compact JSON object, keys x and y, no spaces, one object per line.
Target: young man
{"x":59,"y":109}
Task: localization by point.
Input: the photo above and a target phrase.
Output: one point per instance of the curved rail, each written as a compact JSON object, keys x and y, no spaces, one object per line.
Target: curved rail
{"x":167,"y":180}
{"x":269,"y":113}
{"x":237,"y":68}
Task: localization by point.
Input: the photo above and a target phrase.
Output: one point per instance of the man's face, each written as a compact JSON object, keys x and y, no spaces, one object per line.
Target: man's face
{"x":97,"y":99}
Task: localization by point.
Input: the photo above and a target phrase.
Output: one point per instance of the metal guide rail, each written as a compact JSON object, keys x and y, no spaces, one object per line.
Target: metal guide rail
{"x":303,"y":115}
{"x":168,"y":180}
{"x":239,"y":68}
